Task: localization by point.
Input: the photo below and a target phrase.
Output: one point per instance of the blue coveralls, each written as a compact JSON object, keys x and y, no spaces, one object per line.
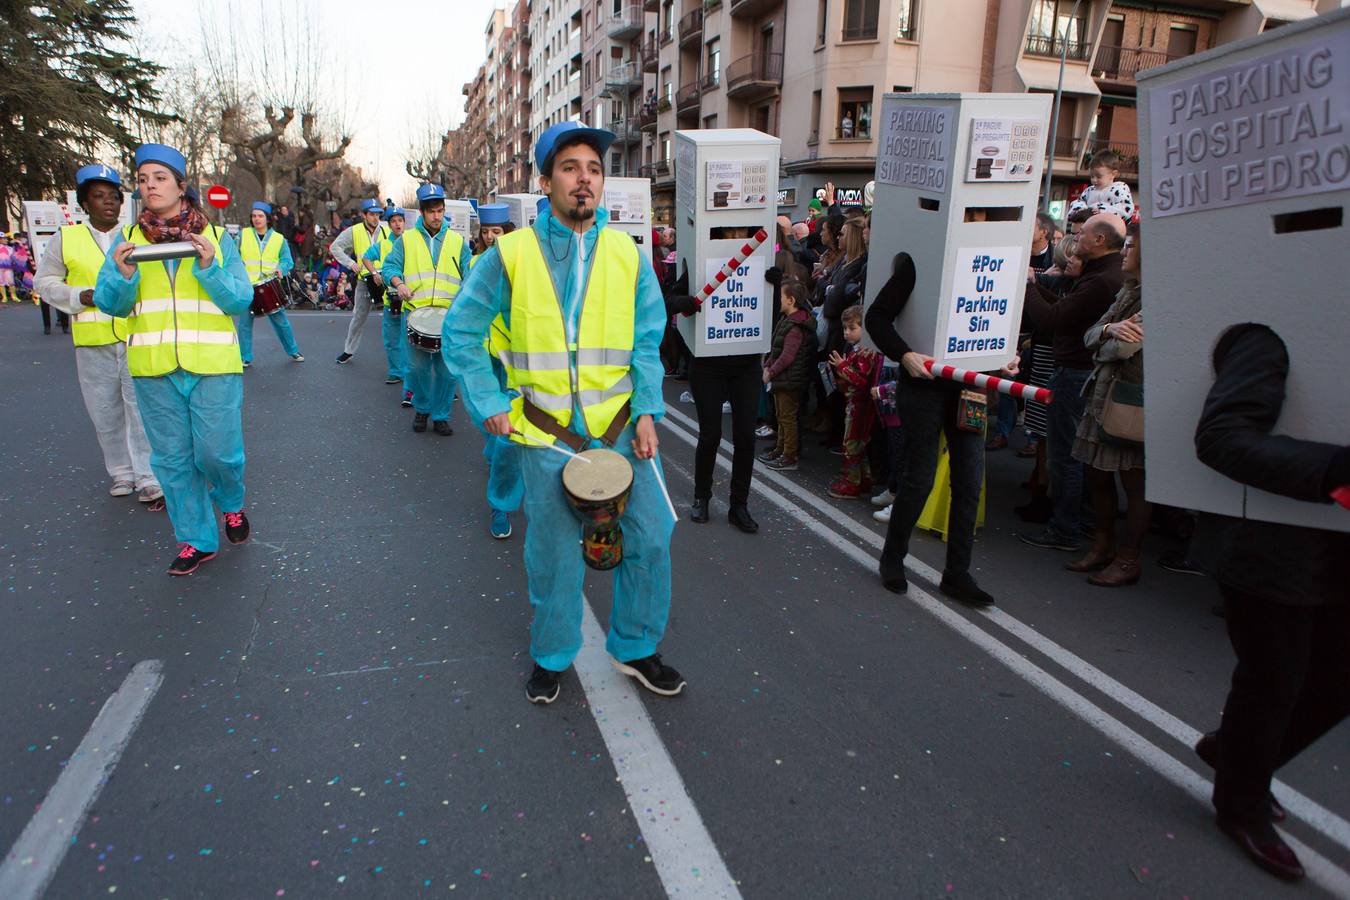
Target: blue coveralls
{"x":280,"y":324}
{"x":553,"y":560}
{"x":193,"y":422}
{"x":391,"y":327}
{"x":432,"y":385}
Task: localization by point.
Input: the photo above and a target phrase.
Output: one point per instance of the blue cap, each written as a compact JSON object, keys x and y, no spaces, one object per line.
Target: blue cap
{"x":556,"y":134}
{"x":428,"y":192}
{"x":371,"y":206}
{"x":264,"y":208}
{"x":395,"y":211}
{"x":164,"y":155}
{"x":494,"y":214}
{"x":97,"y":172}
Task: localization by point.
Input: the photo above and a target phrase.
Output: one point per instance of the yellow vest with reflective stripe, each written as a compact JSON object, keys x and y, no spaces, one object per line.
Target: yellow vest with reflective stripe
{"x":361,"y":243}
{"x":431,"y":284}
{"x":538,"y":363}
{"x":498,"y":339}
{"x":259,"y":261}
{"x":83,"y":259}
{"x":174,"y":324}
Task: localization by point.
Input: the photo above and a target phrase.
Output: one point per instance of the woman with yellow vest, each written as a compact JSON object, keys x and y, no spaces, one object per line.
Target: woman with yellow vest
{"x":425,"y":266}
{"x":584,"y":320}
{"x":348,"y":248}
{"x":391,"y":320}
{"x":183,"y":354}
{"x":265,"y":253}
{"x":65,"y":278}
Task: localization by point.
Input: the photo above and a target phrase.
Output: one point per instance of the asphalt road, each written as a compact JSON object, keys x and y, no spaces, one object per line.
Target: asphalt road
{"x":342,"y":714}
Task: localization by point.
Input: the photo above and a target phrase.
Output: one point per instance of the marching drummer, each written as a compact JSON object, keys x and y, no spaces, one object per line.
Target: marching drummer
{"x":348,"y":248}
{"x":425,"y":265}
{"x":266,"y":255}
{"x":391,"y":322}
{"x":65,"y":279}
{"x":183,"y":353}
{"x":585,"y":358}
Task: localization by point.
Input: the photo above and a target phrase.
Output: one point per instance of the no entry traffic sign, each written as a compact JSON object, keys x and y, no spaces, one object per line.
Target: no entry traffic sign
{"x":218,"y":196}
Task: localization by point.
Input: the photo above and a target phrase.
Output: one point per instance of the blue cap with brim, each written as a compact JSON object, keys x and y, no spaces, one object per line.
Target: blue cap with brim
{"x":97,"y":172}
{"x":429,"y":192}
{"x":164,"y":155}
{"x":371,"y":206}
{"x":264,"y":208}
{"x":395,"y":211}
{"x":494,"y":214}
{"x":566,"y":132}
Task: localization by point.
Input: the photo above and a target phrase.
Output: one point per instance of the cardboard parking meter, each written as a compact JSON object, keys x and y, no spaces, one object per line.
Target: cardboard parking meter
{"x":726,"y":190}
{"x":522,"y":208}
{"x":957,"y":181}
{"x":1245,"y":176}
{"x":629,"y":201}
{"x":459,"y":215}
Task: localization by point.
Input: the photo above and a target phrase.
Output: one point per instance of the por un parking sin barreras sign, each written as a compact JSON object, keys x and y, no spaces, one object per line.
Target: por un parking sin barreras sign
{"x":1271,"y":127}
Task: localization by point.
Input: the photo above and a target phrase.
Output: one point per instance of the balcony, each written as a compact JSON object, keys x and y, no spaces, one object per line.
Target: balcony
{"x":753,"y":8}
{"x":626,"y":23}
{"x":686,"y":99}
{"x":755,"y":76}
{"x":666,"y":36}
{"x":1122,"y":64}
{"x":651,"y":5}
{"x":867,"y":31}
{"x":1128,"y":153}
{"x":646,"y":120}
{"x":1066,"y":147}
{"x":1045,"y":45}
{"x":691,"y":27}
{"x":657,"y":171}
{"x":624,"y":76}
{"x":712,"y":80}
{"x":626,"y":131}
{"x":651,"y":57}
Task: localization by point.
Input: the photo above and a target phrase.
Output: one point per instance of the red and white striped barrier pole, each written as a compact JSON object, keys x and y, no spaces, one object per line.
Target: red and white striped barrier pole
{"x":981,"y":380}
{"x":731,"y":266}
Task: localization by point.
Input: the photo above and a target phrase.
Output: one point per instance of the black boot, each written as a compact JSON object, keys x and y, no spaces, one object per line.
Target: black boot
{"x":698,"y":511}
{"x":741,"y":518}
{"x":420,"y":421}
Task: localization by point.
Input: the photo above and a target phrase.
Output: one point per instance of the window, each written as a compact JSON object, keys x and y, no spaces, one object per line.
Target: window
{"x":855,"y":114}
{"x":822,"y":21}
{"x":616,"y":163}
{"x":665,"y":145}
{"x":815,"y":118}
{"x":860,"y":19}
{"x":905,"y":20}
{"x":1181,"y":40}
{"x":710,"y":121}
{"x":667,"y":87}
{"x":586,"y":76}
{"x":1054,"y":29}
{"x":712,"y":64}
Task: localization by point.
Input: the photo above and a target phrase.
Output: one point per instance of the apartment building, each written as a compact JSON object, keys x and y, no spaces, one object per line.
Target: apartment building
{"x":555,"y":63}
{"x":613,"y":83}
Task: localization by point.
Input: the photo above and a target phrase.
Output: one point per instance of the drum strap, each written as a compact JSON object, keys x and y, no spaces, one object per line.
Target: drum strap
{"x":546,"y":423}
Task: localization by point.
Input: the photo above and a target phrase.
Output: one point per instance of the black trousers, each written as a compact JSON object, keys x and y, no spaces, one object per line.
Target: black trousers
{"x":714,"y":380}
{"x":1291,"y":685}
{"x":62,"y":318}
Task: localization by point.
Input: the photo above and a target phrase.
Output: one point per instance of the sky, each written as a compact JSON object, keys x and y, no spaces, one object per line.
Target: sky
{"x":391,"y":70}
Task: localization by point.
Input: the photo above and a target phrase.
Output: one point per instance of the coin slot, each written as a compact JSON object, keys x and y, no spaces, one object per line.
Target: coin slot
{"x":993,"y":214}
{"x":1309,"y":220}
{"x":929,"y":204}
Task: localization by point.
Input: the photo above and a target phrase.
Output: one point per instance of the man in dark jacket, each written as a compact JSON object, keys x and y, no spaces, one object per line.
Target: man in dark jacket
{"x":1069,"y":317}
{"x":1286,"y":592}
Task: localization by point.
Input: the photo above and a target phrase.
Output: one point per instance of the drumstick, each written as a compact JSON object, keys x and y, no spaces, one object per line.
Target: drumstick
{"x":656,"y":470}
{"x":554,"y":447}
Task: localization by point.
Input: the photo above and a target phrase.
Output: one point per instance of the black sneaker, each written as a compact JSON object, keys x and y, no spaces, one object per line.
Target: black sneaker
{"x":1177,"y":562}
{"x":543,"y":686}
{"x":963,"y":588}
{"x":343,"y":358}
{"x":236,"y":527}
{"x":1049,"y":539}
{"x":442,"y":427}
{"x":406,"y":402}
{"x":653,"y":674}
{"x":392,"y":380}
{"x":189,"y":558}
{"x":420,"y":422}
{"x":895,"y":582}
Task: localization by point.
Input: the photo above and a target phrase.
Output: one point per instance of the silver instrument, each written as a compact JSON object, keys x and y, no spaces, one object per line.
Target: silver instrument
{"x":158,"y":252}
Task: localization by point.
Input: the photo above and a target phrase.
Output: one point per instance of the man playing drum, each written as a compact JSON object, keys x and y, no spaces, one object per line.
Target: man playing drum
{"x":584,"y":319}
{"x":425,"y":266}
{"x":348,"y":248}
{"x":267,"y":259}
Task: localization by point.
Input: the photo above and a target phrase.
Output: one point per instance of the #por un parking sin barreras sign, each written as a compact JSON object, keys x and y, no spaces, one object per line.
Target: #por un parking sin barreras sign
{"x":1267,"y":128}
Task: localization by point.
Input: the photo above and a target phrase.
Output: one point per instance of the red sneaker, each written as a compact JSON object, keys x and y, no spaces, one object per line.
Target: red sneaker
{"x":189,"y":558}
{"x":842,"y":490}
{"x":236,"y":527}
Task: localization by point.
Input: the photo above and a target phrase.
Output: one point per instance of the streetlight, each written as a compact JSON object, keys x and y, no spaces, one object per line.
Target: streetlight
{"x":1054,"y":115}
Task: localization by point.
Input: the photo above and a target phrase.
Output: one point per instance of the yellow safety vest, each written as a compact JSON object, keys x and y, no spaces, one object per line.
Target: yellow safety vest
{"x":431,"y":284}
{"x":174,"y":324}
{"x":260,"y":261}
{"x":83,"y":259}
{"x":538,"y":363}
{"x":499,"y":338}
{"x":361,"y":243}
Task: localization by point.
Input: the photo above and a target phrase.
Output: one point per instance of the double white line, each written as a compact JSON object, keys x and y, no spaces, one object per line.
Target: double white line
{"x":775,"y":488}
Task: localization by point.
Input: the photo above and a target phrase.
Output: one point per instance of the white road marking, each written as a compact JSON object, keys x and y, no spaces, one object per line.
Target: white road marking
{"x":32,"y":862}
{"x":679,"y":844}
{"x":1323,"y":820}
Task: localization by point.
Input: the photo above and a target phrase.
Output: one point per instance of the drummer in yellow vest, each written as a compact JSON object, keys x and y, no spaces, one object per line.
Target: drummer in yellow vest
{"x":65,"y":278}
{"x":265,"y":254}
{"x":584,"y":320}
{"x":183,"y":354}
{"x":425,"y":266}
{"x":348,"y":248}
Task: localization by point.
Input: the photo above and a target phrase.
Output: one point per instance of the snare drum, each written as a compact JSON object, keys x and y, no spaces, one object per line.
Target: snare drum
{"x":393,"y":302}
{"x":597,"y":487}
{"x":268,"y":297}
{"x":424,"y":327}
